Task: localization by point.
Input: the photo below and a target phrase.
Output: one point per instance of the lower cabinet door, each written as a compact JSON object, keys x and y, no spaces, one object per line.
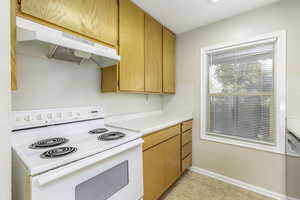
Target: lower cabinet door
{"x":162,"y":167}
{"x":172,"y":160}
{"x":154,"y":179}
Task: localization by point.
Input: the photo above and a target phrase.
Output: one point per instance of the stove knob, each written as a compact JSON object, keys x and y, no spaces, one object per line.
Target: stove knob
{"x":59,"y":115}
{"x":39,"y":117}
{"x":49,"y":116}
{"x":27,"y":118}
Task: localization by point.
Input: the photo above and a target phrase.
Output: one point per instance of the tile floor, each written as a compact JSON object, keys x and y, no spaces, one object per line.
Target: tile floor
{"x":193,"y":186}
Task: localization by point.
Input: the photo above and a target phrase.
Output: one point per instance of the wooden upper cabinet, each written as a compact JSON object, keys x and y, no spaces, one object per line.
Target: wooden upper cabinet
{"x":96,"y":19}
{"x":169,"y":62}
{"x":13,"y":37}
{"x":153,"y":55}
{"x":132,"y":48}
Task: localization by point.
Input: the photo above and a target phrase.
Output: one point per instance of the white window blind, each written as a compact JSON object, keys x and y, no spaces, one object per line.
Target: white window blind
{"x":240,"y":92}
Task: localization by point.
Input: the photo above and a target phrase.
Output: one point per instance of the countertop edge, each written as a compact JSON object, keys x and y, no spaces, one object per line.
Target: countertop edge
{"x":153,"y":129}
{"x":164,"y":126}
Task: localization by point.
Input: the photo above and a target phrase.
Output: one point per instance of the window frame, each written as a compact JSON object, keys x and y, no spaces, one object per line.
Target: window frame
{"x":279,"y":93}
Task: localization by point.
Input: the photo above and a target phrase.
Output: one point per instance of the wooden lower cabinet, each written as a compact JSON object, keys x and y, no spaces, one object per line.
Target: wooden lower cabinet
{"x":167,"y":155}
{"x":186,"y":150}
{"x":154,"y":172}
{"x":186,"y":163}
{"x":172,"y":160}
{"x":186,"y":145}
{"x":162,"y":167}
{"x":186,"y":137}
{"x":185,"y":126}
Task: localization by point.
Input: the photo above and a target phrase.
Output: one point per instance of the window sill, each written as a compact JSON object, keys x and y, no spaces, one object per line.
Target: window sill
{"x":257,"y":146}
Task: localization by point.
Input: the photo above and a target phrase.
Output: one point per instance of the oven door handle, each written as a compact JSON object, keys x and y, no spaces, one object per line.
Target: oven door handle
{"x":78,"y":165}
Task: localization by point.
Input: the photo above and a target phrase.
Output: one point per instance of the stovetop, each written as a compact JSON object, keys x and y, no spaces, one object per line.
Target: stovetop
{"x":75,"y":138}
{"x":48,"y":143}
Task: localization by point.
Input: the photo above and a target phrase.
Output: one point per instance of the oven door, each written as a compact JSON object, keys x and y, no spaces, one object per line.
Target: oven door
{"x":116,"y":174}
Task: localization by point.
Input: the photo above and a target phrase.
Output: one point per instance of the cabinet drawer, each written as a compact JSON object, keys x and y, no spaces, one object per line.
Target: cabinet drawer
{"x":186,"y":163}
{"x":160,"y":136}
{"x":186,"y":137}
{"x":186,"y":150}
{"x":187,"y":125}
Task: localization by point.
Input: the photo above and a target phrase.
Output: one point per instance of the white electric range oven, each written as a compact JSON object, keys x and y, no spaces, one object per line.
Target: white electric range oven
{"x":68,"y":154}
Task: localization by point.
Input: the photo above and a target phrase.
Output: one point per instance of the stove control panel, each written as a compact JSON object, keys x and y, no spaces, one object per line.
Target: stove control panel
{"x":37,"y":118}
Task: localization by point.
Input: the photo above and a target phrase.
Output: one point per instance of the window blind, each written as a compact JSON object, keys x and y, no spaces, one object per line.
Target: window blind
{"x":241,"y":93}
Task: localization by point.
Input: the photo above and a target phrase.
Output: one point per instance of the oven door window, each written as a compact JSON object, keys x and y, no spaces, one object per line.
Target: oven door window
{"x":104,"y":185}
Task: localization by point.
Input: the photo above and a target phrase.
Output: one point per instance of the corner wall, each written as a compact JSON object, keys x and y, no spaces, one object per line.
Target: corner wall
{"x":5,"y":154}
{"x":258,"y":168}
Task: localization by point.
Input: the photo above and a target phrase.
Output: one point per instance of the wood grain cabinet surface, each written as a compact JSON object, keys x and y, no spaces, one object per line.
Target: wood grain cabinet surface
{"x":131,"y":35}
{"x":147,"y":49}
{"x":186,"y":150}
{"x":186,"y":163}
{"x":185,"y":126}
{"x":186,"y":145}
{"x":154,"y":172}
{"x":153,"y":55}
{"x":97,"y":19}
{"x":169,"y":62}
{"x":167,"y":155}
{"x":172,"y":159}
{"x":160,"y":136}
{"x":13,"y":38}
{"x":186,"y":137}
{"x":162,"y":167}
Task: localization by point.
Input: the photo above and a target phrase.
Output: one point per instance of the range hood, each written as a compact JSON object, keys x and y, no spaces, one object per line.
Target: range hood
{"x":64,"y":46}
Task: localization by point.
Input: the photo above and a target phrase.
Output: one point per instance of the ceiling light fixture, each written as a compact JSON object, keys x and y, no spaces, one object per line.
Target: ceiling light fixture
{"x":214,"y":1}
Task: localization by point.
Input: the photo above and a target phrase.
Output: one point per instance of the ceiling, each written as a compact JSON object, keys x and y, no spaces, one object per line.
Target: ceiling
{"x":184,"y":15}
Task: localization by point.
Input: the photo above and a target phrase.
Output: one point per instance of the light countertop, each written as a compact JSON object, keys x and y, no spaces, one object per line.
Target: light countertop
{"x":146,"y":123}
{"x":293,"y":125}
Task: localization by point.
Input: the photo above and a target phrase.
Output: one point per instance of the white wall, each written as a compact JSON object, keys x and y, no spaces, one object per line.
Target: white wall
{"x":44,"y":83}
{"x":255,"y":167}
{"x":5,"y":154}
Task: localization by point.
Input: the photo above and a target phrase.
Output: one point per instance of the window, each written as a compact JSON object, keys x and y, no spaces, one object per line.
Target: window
{"x":243,"y":93}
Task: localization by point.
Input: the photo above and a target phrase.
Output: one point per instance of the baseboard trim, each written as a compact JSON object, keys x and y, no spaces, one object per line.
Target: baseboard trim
{"x":292,"y":198}
{"x":240,"y":184}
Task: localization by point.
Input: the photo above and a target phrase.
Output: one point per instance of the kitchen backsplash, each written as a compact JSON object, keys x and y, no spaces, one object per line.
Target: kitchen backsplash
{"x":45,"y":83}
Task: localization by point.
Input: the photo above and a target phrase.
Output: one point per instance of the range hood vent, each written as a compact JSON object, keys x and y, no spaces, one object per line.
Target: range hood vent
{"x":64,"y":46}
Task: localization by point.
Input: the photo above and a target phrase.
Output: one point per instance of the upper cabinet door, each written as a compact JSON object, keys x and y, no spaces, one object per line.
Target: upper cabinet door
{"x":153,"y":55}
{"x":169,"y":62}
{"x":97,"y":19}
{"x":132,"y":48}
{"x":13,"y":43}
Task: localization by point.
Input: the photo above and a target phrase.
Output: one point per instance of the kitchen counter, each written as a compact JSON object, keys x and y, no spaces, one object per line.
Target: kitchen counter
{"x":146,"y":123}
{"x":293,"y":125}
